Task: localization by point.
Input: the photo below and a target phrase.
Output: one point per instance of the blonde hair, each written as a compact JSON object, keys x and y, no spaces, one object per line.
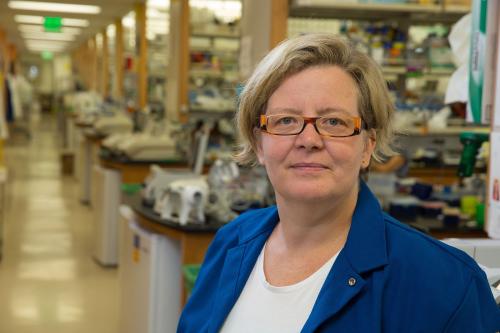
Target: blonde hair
{"x":297,"y":54}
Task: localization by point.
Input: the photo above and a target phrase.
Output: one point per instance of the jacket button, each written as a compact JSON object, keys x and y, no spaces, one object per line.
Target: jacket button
{"x":352,"y":281}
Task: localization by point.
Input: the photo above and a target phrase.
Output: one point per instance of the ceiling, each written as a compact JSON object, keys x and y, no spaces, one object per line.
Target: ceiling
{"x":110,"y":11}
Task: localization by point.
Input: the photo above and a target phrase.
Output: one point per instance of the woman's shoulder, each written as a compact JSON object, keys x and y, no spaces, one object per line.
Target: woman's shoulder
{"x":424,"y":255}
{"x":435,"y":281}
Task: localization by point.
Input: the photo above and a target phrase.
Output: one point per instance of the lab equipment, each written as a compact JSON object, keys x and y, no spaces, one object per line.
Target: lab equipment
{"x":158,"y":181}
{"x":221,"y":178}
{"x":147,"y":147}
{"x":115,"y":123}
{"x":487,"y":254}
{"x":471,"y":142}
{"x":484,"y":250}
{"x":184,"y":201}
{"x":155,"y":143}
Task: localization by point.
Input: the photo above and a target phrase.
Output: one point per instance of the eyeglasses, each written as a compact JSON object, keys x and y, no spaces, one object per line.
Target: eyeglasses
{"x":334,"y":126}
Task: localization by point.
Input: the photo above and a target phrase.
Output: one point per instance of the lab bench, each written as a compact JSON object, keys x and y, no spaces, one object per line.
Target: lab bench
{"x":439,"y":175}
{"x":108,"y":173}
{"x":134,"y":171}
{"x":436,"y":229}
{"x":445,"y":175}
{"x":194,"y":238}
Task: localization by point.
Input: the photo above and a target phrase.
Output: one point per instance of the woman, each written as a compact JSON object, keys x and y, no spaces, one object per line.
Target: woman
{"x":326,"y":258}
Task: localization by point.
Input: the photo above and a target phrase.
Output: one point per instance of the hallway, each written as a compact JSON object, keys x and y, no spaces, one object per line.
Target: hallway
{"x":48,"y":280}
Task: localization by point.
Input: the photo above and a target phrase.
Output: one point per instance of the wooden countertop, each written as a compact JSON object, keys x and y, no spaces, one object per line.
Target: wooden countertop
{"x":136,"y":171}
{"x":436,"y":229}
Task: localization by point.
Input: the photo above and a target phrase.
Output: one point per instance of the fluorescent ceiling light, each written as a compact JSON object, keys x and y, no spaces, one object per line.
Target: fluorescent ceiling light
{"x":39,"y":28}
{"x":43,"y":43}
{"x":66,"y":22}
{"x":38,"y":49}
{"x":54,"y":7}
{"x":31,"y":19}
{"x":47,"y":36}
{"x":71,"y":22}
{"x":45,"y":48}
{"x":42,"y":50}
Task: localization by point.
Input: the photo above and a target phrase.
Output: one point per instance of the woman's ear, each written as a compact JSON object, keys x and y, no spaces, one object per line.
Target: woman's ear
{"x":370,"y":143}
{"x":257,"y":134}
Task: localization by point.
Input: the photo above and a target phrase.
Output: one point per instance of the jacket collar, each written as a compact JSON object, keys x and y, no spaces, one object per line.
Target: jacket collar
{"x":365,"y":250}
{"x":365,"y":246}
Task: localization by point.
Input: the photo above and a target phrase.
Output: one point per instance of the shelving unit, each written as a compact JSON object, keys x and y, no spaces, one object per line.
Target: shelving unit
{"x":392,"y":73}
{"x":111,"y":68}
{"x":129,"y":60}
{"x":157,"y":33}
{"x":429,"y":68}
{"x":421,"y":72}
{"x":407,"y":12}
{"x":213,"y":74}
{"x":218,"y":34}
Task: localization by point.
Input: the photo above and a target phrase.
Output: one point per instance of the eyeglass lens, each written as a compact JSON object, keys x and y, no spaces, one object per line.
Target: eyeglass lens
{"x":291,"y":124}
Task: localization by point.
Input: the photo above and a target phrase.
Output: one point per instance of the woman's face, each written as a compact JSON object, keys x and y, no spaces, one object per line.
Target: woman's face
{"x":307,"y":166}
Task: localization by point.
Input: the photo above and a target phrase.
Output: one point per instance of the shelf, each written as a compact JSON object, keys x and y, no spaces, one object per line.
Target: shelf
{"x":451,"y":130}
{"x":214,"y":51}
{"x":432,"y":73}
{"x":415,"y":13}
{"x":201,"y":112}
{"x":214,"y":74}
{"x":206,"y":73}
{"x":385,"y":7}
{"x":201,"y":34}
{"x":394,"y":70}
{"x":457,"y":9}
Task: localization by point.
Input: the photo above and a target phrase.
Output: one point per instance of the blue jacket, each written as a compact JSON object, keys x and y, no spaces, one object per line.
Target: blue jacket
{"x":405,"y":281}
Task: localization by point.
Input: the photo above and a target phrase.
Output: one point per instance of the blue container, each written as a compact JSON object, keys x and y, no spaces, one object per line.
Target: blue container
{"x":422,"y":191}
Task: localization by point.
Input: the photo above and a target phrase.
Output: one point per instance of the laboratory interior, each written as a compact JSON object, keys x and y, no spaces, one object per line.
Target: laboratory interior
{"x":117,"y":138}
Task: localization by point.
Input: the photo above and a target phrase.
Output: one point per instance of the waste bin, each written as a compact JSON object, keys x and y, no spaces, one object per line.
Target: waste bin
{"x":190,"y":273}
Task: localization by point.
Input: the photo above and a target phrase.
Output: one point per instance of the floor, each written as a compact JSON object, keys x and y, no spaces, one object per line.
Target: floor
{"x":48,"y":280}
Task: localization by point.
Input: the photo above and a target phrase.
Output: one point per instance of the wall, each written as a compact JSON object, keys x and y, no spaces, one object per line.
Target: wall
{"x":46,"y":77}
{"x":62,"y":73}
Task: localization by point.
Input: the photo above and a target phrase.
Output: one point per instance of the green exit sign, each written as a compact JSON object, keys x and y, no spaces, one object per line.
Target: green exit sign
{"x":52,"y":24}
{"x":46,"y":55}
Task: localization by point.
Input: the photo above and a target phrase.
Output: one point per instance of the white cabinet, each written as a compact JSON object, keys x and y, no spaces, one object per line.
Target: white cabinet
{"x":106,"y":198}
{"x":150,"y":279}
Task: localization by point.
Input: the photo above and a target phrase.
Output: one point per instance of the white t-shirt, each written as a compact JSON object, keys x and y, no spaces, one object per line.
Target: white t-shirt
{"x":263,"y":308}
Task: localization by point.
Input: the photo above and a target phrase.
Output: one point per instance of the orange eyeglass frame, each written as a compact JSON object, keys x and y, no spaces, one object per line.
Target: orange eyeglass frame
{"x":312,"y":120}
